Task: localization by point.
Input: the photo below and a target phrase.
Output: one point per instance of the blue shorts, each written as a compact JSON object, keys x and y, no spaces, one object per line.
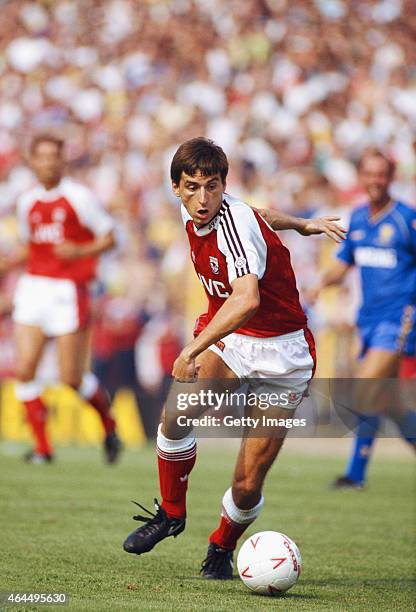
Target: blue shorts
{"x":394,"y":334}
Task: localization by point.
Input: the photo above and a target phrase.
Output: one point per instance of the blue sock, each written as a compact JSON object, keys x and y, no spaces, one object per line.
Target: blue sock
{"x":407,"y":427}
{"x":365,"y":435}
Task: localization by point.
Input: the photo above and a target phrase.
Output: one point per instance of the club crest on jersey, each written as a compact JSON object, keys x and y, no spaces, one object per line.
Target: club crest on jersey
{"x":36,"y":217}
{"x":59,"y":215}
{"x":215,"y":266}
{"x":385,"y":233}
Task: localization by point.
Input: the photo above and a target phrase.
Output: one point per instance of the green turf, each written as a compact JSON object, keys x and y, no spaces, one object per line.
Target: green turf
{"x":62,"y":526}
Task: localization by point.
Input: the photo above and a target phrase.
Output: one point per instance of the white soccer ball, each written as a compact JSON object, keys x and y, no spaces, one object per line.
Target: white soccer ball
{"x":269,"y":563}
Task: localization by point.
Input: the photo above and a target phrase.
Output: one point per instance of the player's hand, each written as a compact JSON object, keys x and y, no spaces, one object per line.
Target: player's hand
{"x":324,"y":225}
{"x":184,"y":368}
{"x":68,"y":250}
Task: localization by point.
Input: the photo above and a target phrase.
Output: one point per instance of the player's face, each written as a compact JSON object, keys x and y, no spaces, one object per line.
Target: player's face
{"x":376,"y":177}
{"x":201,"y":195}
{"x":47,"y":163}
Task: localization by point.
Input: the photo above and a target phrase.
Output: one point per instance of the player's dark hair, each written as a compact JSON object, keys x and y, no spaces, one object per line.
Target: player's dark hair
{"x":374,"y":152}
{"x":40,"y":138}
{"x":199,"y":154}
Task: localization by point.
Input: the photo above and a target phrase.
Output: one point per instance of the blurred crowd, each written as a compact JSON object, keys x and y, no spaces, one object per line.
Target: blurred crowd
{"x":294,"y":91}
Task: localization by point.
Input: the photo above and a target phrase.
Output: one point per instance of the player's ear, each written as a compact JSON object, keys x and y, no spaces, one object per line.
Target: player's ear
{"x":175,"y":189}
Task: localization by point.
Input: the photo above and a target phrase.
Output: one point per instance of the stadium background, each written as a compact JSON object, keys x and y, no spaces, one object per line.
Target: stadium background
{"x":293,"y":90}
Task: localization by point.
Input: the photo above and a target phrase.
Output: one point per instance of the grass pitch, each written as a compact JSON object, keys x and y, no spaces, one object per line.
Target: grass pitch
{"x":62,"y":527}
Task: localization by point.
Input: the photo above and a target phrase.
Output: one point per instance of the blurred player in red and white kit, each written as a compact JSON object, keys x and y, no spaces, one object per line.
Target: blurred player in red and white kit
{"x":254,"y":329}
{"x":64,"y":230}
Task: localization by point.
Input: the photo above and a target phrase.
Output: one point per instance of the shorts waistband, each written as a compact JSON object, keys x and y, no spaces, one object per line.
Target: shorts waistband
{"x":272,"y":339}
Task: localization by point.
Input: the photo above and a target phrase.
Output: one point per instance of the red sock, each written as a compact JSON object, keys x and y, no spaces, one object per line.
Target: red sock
{"x":36,"y":414}
{"x":101,"y":402}
{"x":227,"y":533}
{"x":174,"y":469}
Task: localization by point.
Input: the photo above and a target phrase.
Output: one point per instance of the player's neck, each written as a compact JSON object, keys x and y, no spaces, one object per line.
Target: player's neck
{"x":49,"y":185}
{"x":376,"y":207}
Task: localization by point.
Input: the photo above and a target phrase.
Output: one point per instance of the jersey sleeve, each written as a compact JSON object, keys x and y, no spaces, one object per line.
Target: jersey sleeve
{"x":413,"y":232}
{"x":346,"y":251}
{"x":89,"y":210}
{"x":22,"y":216}
{"x":241,"y":241}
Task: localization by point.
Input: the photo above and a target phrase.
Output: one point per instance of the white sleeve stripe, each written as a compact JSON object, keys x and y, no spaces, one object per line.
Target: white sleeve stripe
{"x":231,"y":236}
{"x":237,"y":270}
{"x":240,"y":270}
{"x":239,"y":240}
{"x":224,"y":209}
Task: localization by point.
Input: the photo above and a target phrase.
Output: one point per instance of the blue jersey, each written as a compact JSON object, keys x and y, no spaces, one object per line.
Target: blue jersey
{"x":384,"y":250}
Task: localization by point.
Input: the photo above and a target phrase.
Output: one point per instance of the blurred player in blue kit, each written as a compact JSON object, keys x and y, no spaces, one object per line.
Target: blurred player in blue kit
{"x":381,"y":243}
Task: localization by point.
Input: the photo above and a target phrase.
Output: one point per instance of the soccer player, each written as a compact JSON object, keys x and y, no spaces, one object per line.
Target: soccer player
{"x":64,"y":230}
{"x":381,"y":243}
{"x":254,"y":327}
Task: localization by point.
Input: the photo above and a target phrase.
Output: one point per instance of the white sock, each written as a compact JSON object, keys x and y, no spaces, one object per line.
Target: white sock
{"x":237,"y":515}
{"x":89,"y":385}
{"x":175,"y":450}
{"x":28,"y":391}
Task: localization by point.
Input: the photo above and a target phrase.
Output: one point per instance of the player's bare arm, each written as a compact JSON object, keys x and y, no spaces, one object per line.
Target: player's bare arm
{"x":305,"y":227}
{"x":333,"y":276}
{"x":234,"y":313}
{"x":74,"y":250}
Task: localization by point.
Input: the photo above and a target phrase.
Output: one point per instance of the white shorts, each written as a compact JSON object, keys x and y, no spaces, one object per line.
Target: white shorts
{"x":57,"y":306}
{"x":280,"y":364}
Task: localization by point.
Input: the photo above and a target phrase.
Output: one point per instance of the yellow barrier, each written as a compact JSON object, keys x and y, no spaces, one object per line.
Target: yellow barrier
{"x":70,"y":420}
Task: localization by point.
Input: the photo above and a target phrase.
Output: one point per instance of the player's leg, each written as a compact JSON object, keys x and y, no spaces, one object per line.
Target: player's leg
{"x":176,"y":451}
{"x":30,"y":342}
{"x":377,"y":364}
{"x":176,"y":446}
{"x":242,"y":502}
{"x":406,"y":420}
{"x":72,"y":357}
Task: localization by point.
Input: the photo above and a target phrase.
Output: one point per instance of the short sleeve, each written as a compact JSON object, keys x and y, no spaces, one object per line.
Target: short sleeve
{"x":22,"y":214}
{"x":346,"y":250}
{"x":241,"y":241}
{"x":89,"y":210}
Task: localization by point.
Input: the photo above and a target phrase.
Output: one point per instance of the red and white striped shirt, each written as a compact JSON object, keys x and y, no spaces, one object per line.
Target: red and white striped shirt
{"x":70,"y":211}
{"x":238,"y":241}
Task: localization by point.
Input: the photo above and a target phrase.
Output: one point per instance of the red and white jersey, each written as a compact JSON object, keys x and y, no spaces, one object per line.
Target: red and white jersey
{"x":46,"y":218}
{"x":239,"y":242}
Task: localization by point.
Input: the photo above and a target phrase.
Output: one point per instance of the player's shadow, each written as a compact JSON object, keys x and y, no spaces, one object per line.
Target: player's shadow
{"x":286,"y":596}
{"x":228,"y":587}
